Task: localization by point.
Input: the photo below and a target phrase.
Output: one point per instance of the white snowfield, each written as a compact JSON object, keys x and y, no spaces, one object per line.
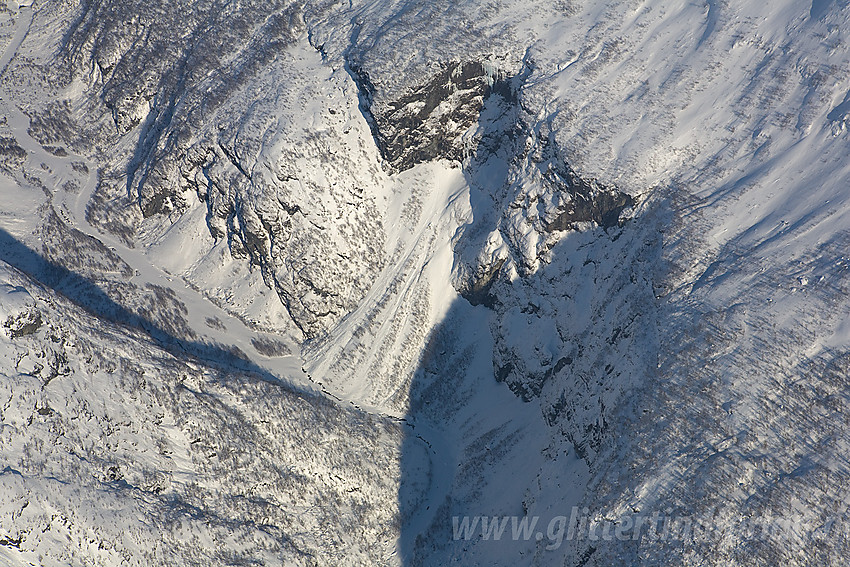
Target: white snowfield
{"x":309,"y":283}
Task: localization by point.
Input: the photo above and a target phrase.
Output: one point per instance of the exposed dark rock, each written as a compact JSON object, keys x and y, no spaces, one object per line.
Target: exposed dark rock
{"x":44,"y":411}
{"x":11,"y":542}
{"x":57,"y":151}
{"x":270,"y":348}
{"x":428,"y":123}
{"x":9,"y":148}
{"x":603,"y":208}
{"x":583,"y":200}
{"x":526,"y":390}
{"x":479,"y":291}
{"x":26,"y":323}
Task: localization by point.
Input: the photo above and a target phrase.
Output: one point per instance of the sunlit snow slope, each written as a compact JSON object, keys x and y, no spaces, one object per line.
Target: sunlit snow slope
{"x":307,"y":282}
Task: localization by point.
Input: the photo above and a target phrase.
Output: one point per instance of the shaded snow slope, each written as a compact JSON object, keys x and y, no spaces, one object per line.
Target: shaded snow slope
{"x":592,"y":252}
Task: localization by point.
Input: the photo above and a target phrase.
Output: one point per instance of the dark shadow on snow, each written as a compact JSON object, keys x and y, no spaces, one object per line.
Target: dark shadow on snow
{"x":88,"y":295}
{"x":442,"y":391}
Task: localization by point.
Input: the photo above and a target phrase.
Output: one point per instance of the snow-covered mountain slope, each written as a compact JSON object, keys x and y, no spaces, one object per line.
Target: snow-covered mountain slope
{"x":116,"y":451}
{"x":591,"y":254}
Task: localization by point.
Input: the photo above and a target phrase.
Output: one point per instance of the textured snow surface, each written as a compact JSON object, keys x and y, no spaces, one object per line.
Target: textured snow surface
{"x":296,"y":283}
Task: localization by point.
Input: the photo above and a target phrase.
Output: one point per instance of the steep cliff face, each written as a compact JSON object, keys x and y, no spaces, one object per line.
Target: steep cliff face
{"x":313,"y":225}
{"x":430,"y":120}
{"x":540,"y":236}
{"x":303,"y":205}
{"x":592,"y":254}
{"x":536,"y":235}
{"x":527,"y":197}
{"x":214,"y":96}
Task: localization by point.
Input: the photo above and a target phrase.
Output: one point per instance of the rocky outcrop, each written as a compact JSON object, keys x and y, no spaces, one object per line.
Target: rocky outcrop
{"x":540,"y":235}
{"x":586,"y":202}
{"x":271,"y":188}
{"x":429,"y":121}
{"x":579,"y":333}
{"x":11,"y":154}
{"x":25,"y":322}
{"x":525,"y":196}
{"x":317,"y":240}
